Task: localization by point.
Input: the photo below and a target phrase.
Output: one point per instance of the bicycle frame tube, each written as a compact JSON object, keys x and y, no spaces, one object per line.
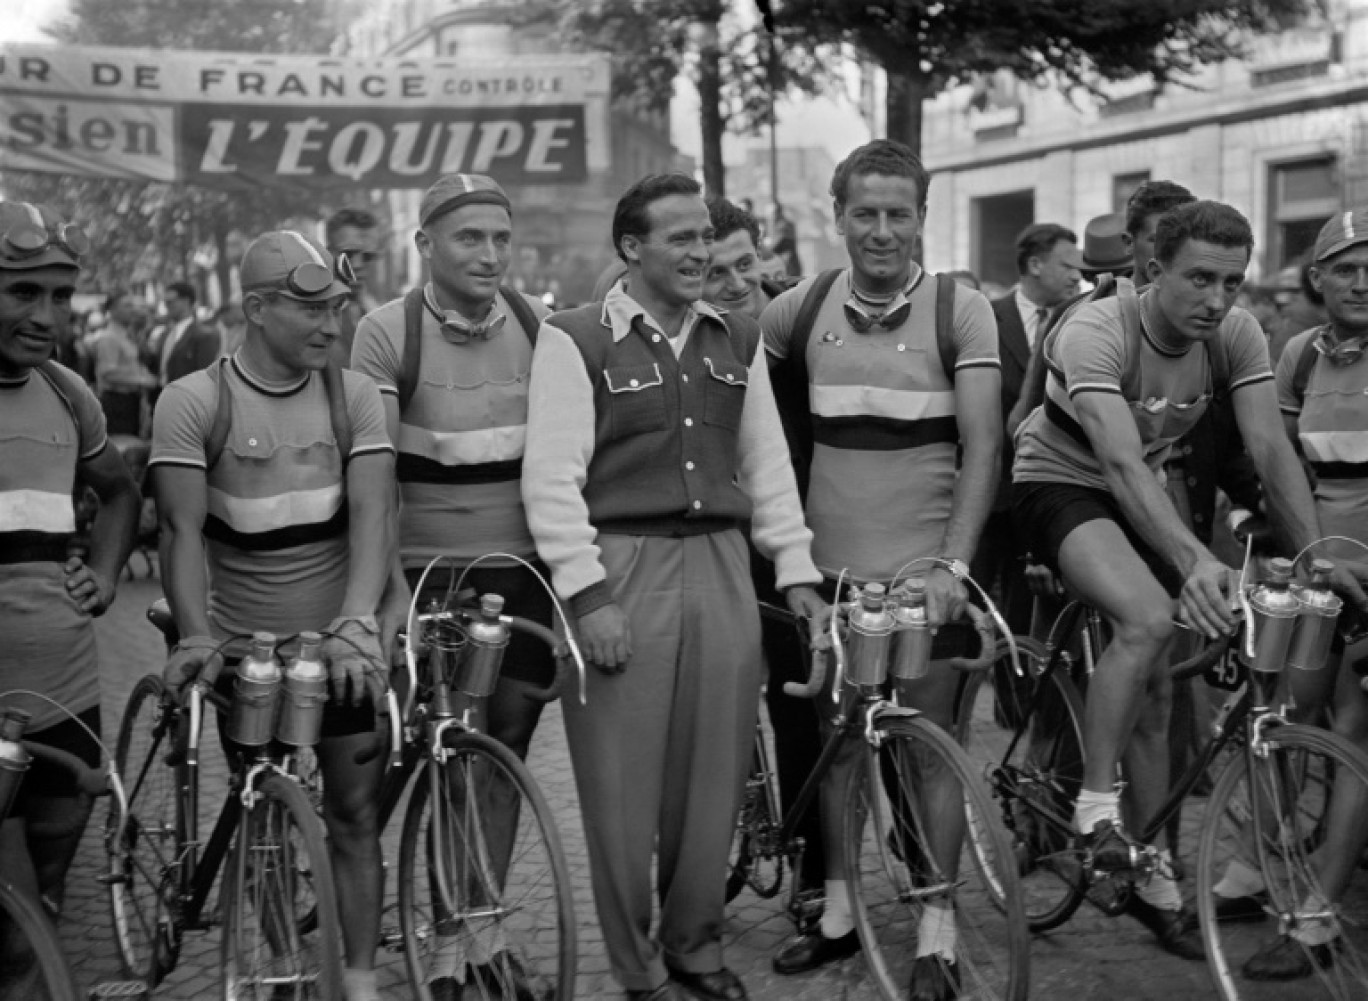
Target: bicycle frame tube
{"x":849,"y":724}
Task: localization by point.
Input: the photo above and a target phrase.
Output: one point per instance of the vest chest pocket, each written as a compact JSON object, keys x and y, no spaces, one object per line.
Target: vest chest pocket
{"x":724,"y":393}
{"x":636,"y":400}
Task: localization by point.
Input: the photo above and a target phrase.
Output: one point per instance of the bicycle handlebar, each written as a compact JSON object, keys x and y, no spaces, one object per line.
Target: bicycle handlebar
{"x":981,"y":621}
{"x":1200,"y":661}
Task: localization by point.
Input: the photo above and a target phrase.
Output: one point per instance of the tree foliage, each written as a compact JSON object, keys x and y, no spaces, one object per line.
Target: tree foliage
{"x":653,"y":41}
{"x":148,"y":230}
{"x":926,"y":45}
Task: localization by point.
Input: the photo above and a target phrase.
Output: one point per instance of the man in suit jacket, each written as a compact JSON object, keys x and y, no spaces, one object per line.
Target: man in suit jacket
{"x":1048,"y":264}
{"x":184,"y":345}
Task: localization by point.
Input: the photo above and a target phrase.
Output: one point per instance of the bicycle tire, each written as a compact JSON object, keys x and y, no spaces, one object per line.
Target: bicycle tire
{"x":518,"y":929}
{"x":278,"y":870}
{"x":49,"y":970}
{"x":142,"y":879}
{"x":752,"y":860}
{"x":1296,"y":777}
{"x":891,"y":870}
{"x":1035,"y":788}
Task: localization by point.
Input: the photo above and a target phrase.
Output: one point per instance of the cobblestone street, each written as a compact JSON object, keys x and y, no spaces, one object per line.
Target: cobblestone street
{"x":1092,"y":956}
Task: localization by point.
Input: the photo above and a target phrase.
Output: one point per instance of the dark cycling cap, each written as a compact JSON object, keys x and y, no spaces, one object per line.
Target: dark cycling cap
{"x":449,"y":193}
{"x":34,"y":236}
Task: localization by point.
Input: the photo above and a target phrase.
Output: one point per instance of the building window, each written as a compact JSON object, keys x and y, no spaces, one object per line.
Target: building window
{"x":1124,"y":185}
{"x":1301,"y":197}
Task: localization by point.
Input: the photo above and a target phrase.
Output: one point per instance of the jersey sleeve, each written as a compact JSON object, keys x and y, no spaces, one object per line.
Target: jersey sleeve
{"x":1289,"y":400}
{"x":1087,"y":353}
{"x":90,"y":420}
{"x":377,"y":353}
{"x":367,"y":416}
{"x":976,"y":335}
{"x":776,"y":322}
{"x":1247,"y":348}
{"x":181,"y":423}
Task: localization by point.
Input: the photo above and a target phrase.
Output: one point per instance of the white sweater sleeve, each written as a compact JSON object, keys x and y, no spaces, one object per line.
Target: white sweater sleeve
{"x":766,"y":476}
{"x":560,"y":444}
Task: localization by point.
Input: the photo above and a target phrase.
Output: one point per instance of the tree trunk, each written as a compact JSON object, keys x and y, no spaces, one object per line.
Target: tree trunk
{"x":710,"y":112}
{"x":223,"y":268}
{"x":903,"y":108}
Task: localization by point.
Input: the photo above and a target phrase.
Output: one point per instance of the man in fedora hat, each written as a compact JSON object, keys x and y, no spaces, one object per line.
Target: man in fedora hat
{"x":1106,"y":248}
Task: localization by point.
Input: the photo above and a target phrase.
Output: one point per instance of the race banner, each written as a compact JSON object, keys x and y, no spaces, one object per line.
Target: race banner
{"x":241,"y":122}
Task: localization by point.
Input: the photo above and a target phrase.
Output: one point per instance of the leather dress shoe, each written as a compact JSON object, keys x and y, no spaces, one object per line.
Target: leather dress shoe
{"x":720,"y":985}
{"x":1288,"y":959}
{"x":1177,"y":931}
{"x":668,"y":991}
{"x":1236,"y":910}
{"x":933,"y":979}
{"x":809,"y":950}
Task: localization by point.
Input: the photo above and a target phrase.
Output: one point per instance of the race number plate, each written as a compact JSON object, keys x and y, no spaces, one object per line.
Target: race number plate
{"x":1227,"y":674}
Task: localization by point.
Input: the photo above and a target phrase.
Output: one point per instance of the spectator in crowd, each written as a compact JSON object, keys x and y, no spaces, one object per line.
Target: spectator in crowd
{"x":1048,"y":264}
{"x":357,"y":233}
{"x":784,"y":243}
{"x":182,"y":344}
{"x":120,"y":378}
{"x":232,"y":327}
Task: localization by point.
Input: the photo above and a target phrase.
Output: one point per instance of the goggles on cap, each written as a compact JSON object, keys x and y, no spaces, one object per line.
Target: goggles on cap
{"x":310,"y":278}
{"x":342,"y":265}
{"x":26,"y":240}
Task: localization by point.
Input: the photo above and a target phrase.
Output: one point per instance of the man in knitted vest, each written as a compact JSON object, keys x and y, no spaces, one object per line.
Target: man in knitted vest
{"x":652,"y":435}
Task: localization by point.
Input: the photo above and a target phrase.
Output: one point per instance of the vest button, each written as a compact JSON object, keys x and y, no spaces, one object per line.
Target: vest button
{"x":902,"y":347}
{"x":686,"y":376}
{"x":689,"y":465}
{"x":655,"y":338}
{"x":730,"y":377}
{"x":634,"y":383}
{"x":688,"y":422}
{"x":698,"y":505}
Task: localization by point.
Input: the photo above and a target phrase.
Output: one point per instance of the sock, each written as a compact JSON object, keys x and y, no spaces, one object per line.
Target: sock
{"x":1313,"y":924}
{"x":936,"y":932}
{"x":836,"y":919}
{"x":1239,"y":880}
{"x":1162,"y":889}
{"x":359,"y":985}
{"x":1094,"y":807}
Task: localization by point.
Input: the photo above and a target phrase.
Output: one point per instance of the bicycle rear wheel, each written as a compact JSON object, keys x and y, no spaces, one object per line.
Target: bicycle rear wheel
{"x":484,"y":892}
{"x":898,"y":888}
{"x":1032,"y":761}
{"x":280,"y":870}
{"x":144,"y":860}
{"x":32,"y":965}
{"x":1266,"y":820}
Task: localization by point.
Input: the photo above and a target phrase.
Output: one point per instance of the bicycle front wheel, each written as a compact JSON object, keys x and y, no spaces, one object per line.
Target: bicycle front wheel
{"x":1264,"y":843}
{"x":279,"y":871}
{"x":1028,"y":746}
{"x":484,"y":891}
{"x":144,"y":858}
{"x":914,"y":877}
{"x":32,"y":964}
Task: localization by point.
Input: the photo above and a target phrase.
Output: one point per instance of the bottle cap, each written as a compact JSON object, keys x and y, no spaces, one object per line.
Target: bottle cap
{"x":1279,"y":570}
{"x":491,"y":605}
{"x":12,"y":724}
{"x":309,"y":642}
{"x":1321,"y":569}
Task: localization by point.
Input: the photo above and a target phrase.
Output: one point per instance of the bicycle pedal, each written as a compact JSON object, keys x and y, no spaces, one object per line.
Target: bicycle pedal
{"x":118,"y":989}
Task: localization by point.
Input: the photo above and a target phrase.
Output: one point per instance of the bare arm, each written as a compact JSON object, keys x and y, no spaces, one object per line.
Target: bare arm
{"x":111,"y":536}
{"x":370,"y":533}
{"x":978,"y":411}
{"x":182,"y":502}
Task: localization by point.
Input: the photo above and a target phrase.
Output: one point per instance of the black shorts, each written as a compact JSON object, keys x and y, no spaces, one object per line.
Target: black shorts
{"x":527,"y":659}
{"x":1045,"y":513}
{"x":47,"y":781}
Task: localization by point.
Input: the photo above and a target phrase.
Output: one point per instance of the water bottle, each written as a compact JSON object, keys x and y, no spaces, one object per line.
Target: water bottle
{"x":256,"y":694}
{"x":306,"y":689}
{"x":870,"y":637}
{"x":14,"y":760}
{"x":911,"y":636}
{"x":1275,"y":619}
{"x":486,"y":640}
{"x":1318,"y":609}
